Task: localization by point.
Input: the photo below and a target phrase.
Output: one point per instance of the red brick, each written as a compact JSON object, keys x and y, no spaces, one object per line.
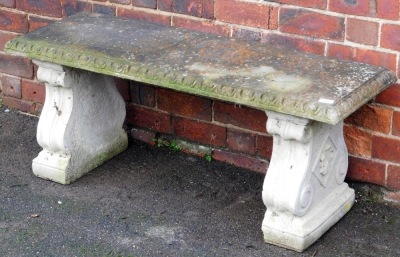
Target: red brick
{"x":145,"y":3}
{"x":388,"y":9}
{"x":33,"y":91}
{"x":358,"y":141}
{"x":313,"y":24}
{"x":366,"y":170}
{"x":7,"y":3}
{"x":19,"y":104}
{"x":37,"y":22}
{"x":356,"y":7}
{"x":303,"y":44}
{"x":386,"y":148}
{"x":150,"y":119}
{"x":247,"y":13}
{"x":70,"y":7}
{"x":35,"y":69}
{"x":165,"y":5}
{"x":393,"y":177}
{"x":362,"y":31}
{"x":17,"y":66}
{"x":145,"y":16}
{"x":201,"y":132}
{"x":396,"y":124}
{"x":143,"y":94}
{"x":198,"y":8}
{"x":377,"y":58}
{"x":246,"y":34}
{"x":264,"y":146}
{"x":240,"y":141}
{"x":390,"y":36}
{"x":372,"y":57}
{"x":15,"y":22}
{"x":11,"y":86}
{"x":318,"y":4}
{"x":240,"y":116}
{"x":340,"y":51}
{"x":201,"y":25}
{"x":122,"y":86}
{"x":121,"y":1}
{"x":189,"y":7}
{"x":5,"y":37}
{"x":184,"y":104}
{"x":393,"y":197}
{"x":104,"y":9}
{"x":143,"y":135}
{"x":372,"y":117}
{"x":208,"y":9}
{"x":50,"y":8}
{"x":242,"y":161}
{"x":38,"y":108}
{"x":390,"y":96}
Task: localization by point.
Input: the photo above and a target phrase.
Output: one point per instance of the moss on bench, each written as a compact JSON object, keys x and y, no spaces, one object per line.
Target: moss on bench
{"x":266,"y":77}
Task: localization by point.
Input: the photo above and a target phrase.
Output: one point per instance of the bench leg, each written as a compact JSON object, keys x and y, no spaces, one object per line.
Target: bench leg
{"x":304,"y":189}
{"x":81,"y":123}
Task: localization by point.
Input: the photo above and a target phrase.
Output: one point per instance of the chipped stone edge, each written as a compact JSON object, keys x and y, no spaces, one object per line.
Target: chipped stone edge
{"x":197,"y":85}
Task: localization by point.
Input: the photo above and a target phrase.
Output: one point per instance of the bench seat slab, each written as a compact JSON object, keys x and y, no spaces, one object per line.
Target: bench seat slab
{"x":261,"y":76}
{"x":304,"y":189}
{"x":80,"y":126}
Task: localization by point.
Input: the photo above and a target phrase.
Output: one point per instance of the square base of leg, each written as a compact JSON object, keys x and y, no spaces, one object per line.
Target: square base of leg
{"x":51,"y":166}
{"x":60,"y":167}
{"x":298,"y":233}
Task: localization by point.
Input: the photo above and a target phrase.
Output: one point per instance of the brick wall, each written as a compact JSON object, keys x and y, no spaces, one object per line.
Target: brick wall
{"x":361,"y":30}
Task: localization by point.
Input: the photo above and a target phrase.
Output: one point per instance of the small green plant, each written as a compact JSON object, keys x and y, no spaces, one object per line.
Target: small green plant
{"x":172,"y":145}
{"x":208,"y":157}
{"x":158,"y":141}
{"x":1,"y":102}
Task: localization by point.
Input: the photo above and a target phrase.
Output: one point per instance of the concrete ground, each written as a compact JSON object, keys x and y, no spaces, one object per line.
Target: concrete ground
{"x":148,"y":201}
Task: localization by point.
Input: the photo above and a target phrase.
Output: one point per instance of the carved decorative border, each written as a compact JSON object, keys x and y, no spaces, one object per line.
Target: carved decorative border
{"x":191,"y":83}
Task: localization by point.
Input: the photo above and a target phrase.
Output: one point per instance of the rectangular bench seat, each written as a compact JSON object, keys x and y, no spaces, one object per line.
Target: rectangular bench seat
{"x":306,"y":97}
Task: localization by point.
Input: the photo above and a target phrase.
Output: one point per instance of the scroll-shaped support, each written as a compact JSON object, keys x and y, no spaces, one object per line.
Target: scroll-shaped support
{"x":304,"y":189}
{"x":81,"y":123}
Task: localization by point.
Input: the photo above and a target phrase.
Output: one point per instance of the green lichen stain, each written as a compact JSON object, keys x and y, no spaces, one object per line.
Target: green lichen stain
{"x":120,"y":145}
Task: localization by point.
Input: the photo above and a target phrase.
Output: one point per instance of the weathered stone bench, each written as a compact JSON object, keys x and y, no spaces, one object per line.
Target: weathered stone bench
{"x":305,"y":97}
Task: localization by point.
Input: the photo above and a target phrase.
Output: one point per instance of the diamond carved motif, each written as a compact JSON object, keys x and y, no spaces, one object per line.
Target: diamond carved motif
{"x":324,"y":163}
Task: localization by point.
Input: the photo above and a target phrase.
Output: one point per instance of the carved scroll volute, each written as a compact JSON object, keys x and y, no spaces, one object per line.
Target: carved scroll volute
{"x":57,"y":107}
{"x":51,"y":74}
{"x":52,"y":77}
{"x":287,"y":185}
{"x":289,"y":131}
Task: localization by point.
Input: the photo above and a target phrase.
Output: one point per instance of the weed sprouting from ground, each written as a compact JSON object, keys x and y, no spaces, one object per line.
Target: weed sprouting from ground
{"x":171,"y":145}
{"x":208,"y":157}
{"x":177,"y":146}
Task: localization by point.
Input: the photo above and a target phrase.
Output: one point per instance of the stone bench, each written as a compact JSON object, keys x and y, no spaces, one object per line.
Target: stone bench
{"x":306,"y":97}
